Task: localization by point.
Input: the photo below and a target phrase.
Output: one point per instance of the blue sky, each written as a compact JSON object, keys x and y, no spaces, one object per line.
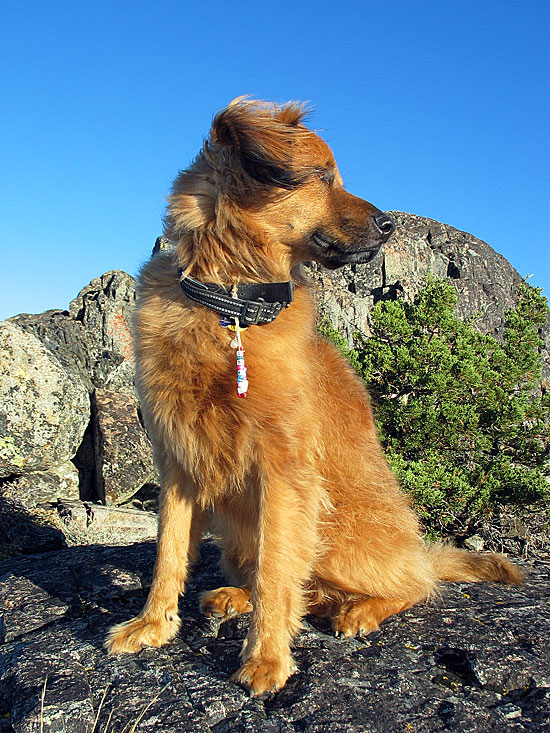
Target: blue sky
{"x":436,"y":108}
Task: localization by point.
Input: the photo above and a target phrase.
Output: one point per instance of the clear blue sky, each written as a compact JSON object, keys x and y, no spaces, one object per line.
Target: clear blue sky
{"x":436,"y":108}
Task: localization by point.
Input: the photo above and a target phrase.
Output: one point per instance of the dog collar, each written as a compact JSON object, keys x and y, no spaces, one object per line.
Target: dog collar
{"x":253,"y":303}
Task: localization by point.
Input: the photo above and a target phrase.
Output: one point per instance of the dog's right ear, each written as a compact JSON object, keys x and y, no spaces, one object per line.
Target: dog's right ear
{"x":258,"y":138}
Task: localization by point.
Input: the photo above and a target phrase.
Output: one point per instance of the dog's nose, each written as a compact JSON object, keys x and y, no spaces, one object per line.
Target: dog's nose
{"x":385,"y":224}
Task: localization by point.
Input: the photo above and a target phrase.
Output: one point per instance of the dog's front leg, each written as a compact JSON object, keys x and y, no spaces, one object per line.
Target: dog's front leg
{"x":286,"y":546}
{"x":180,"y":525}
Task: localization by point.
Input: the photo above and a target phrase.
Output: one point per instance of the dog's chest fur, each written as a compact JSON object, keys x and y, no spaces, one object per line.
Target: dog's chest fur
{"x":187,"y":377}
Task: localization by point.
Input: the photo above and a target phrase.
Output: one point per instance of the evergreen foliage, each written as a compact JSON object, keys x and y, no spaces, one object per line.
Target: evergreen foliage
{"x":463,"y":417}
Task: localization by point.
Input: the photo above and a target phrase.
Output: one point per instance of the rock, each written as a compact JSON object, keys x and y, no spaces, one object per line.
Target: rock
{"x":475,"y":543}
{"x":95,"y":523}
{"x":123,"y":452}
{"x":105,"y":308}
{"x":484,"y":280}
{"x":93,"y":339}
{"x":25,"y":607}
{"x":40,"y":487}
{"x":64,"y":337}
{"x":43,"y":412}
{"x":146,"y":499}
{"x":22,"y":533}
{"x":62,"y":702}
{"x":474,"y":659}
{"x":84,"y":462}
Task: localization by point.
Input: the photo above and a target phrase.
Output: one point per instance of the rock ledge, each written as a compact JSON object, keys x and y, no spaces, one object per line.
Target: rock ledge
{"x":476,"y":659}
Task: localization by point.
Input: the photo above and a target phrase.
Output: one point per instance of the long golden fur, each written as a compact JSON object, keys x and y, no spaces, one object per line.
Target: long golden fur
{"x":293,"y":477}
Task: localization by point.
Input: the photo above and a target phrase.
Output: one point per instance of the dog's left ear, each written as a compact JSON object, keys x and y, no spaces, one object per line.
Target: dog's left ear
{"x":259,"y":138}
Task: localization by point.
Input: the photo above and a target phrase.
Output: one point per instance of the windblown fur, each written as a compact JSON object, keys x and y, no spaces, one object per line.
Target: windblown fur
{"x":293,"y":478}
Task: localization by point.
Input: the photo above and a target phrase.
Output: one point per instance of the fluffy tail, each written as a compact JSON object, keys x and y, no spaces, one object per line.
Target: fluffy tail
{"x":450,"y":564}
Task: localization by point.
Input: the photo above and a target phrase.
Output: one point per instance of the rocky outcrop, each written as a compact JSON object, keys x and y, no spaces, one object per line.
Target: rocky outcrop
{"x":475,"y":659}
{"x":484,"y":280}
{"x":87,"y":351}
{"x":122,"y":450}
{"x":43,"y":413}
{"x":93,"y":339}
{"x":89,"y":348}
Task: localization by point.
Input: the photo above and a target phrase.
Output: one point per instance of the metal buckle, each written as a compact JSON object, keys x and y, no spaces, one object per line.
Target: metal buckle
{"x":251,"y":313}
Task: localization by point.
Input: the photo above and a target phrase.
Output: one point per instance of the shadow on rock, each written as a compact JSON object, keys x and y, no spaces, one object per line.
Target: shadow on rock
{"x":477,"y":659}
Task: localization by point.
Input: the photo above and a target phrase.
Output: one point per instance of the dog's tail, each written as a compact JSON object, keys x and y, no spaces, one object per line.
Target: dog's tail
{"x":452,"y":564}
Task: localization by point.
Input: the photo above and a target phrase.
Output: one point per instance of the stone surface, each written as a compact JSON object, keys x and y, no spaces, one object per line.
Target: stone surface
{"x":484,"y":280}
{"x":475,"y":659}
{"x":93,"y":339}
{"x":25,"y":607}
{"x":105,"y":308}
{"x":22,"y":534}
{"x":106,"y":524}
{"x":43,"y":412}
{"x":39,"y":487}
{"x":122,"y":450}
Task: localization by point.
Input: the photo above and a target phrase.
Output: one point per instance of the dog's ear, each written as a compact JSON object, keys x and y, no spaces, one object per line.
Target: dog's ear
{"x":192,"y":202}
{"x":260,"y":138}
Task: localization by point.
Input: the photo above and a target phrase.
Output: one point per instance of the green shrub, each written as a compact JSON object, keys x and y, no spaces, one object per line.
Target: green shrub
{"x":463,"y":417}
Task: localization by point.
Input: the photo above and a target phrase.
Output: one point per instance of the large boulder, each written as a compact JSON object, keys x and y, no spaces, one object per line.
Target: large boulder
{"x":92,"y":343}
{"x":43,"y":412}
{"x":484,"y":280}
{"x":105,"y":308}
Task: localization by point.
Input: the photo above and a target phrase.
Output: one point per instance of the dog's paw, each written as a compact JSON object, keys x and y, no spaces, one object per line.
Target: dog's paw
{"x":224,"y":603}
{"x":133,"y":635}
{"x":261,"y":676}
{"x":355,"y":618}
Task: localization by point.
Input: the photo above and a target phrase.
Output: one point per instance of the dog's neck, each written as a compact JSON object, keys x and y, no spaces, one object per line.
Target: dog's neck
{"x":230,"y":257}
{"x":248,"y":304}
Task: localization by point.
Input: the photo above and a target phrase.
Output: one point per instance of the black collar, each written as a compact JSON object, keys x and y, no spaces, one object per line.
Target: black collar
{"x":254,"y":302}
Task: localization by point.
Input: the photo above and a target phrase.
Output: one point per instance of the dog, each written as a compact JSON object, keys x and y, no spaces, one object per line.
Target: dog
{"x":293,"y":478}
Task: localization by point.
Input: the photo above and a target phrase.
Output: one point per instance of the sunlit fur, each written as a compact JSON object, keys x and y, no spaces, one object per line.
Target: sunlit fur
{"x":292,"y":478}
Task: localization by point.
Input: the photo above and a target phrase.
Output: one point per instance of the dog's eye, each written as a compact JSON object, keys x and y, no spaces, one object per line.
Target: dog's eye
{"x":326,"y":176}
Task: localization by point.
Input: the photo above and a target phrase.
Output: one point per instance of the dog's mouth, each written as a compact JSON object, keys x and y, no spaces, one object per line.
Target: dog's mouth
{"x":333,"y":254}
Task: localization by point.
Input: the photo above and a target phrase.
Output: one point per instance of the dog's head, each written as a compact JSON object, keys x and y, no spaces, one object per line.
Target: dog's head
{"x":264,"y":169}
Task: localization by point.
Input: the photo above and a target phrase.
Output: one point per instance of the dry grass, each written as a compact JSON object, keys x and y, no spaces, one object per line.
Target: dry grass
{"x":129,"y":727}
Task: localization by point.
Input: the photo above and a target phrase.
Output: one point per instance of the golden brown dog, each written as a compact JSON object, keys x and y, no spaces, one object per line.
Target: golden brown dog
{"x":293,"y":477}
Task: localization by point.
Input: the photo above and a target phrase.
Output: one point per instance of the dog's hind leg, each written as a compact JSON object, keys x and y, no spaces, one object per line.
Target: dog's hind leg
{"x":180,"y":525}
{"x":363,"y":615}
{"x":226,"y":602}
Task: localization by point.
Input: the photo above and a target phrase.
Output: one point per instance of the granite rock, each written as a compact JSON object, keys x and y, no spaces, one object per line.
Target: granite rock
{"x":105,"y":524}
{"x":43,"y":412}
{"x":39,"y":487}
{"x":484,"y":280}
{"x":92,"y":340}
{"x":122,"y":450}
{"x":474,"y":659}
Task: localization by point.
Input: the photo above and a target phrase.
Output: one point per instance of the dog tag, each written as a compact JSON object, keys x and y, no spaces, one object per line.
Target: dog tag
{"x":234,"y":343}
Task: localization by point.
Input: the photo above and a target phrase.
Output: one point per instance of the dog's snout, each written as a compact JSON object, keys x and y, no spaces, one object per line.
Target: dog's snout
{"x":385,"y":224}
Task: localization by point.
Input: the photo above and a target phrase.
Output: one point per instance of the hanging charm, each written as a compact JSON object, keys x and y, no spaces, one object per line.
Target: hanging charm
{"x":242,"y":381}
